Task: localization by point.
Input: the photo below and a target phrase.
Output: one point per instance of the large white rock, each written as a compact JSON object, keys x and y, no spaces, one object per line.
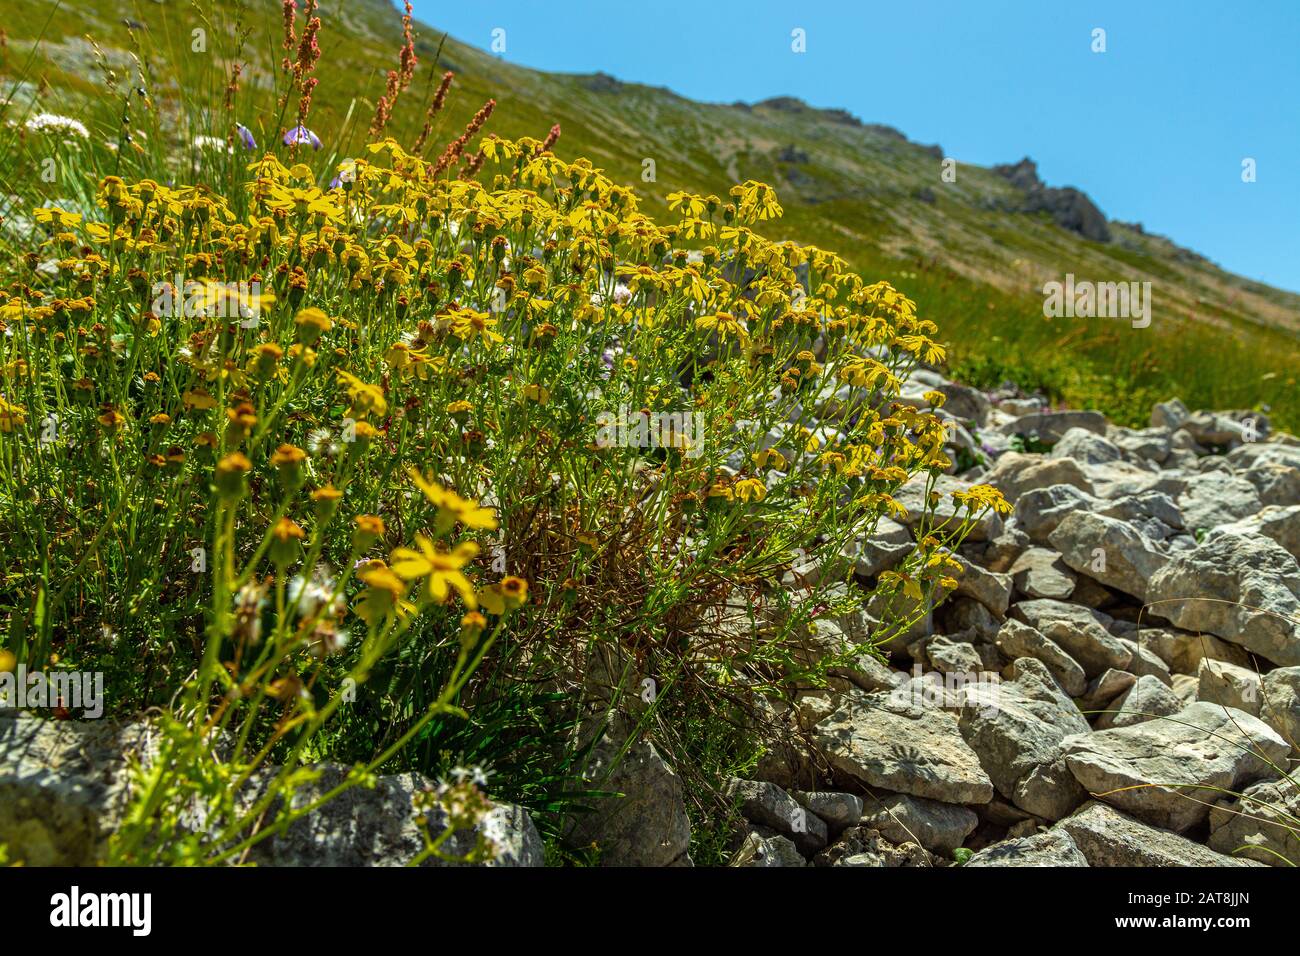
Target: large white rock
{"x":1167,"y":771}
{"x":1282,"y":524}
{"x":1222,"y":683}
{"x":1109,"y":551}
{"x":1017,"y":473}
{"x":1017,"y":728}
{"x":1280,"y":707}
{"x":1217,"y":498}
{"x":1244,"y":588}
{"x":1147,"y":699}
{"x":1052,"y":426}
{"x":1053,"y":848}
{"x":1259,"y":823}
{"x":1016,"y":640}
{"x":1087,"y":447}
{"x":902,"y":818}
{"x":1040,"y":573}
{"x":1184,"y":651}
{"x":1091,"y":645}
{"x":887,"y":740}
{"x":1109,"y":838}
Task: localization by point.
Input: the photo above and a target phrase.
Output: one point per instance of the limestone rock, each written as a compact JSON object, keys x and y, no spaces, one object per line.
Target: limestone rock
{"x":1183,"y":651}
{"x":991,"y":589}
{"x":1148,"y":698}
{"x":1259,"y":824}
{"x":768,"y":805}
{"x":1041,"y":573}
{"x":1156,"y":770}
{"x":1087,"y":447}
{"x":1052,"y":426}
{"x":1145,"y":662}
{"x":1107,"y":837}
{"x":1172,"y":414}
{"x":645,"y":824}
{"x":1041,"y":612}
{"x":1217,"y":498}
{"x":766,"y":851}
{"x":1053,"y":848}
{"x":1017,"y":728}
{"x":953,"y":657}
{"x":1244,"y":588}
{"x":1282,"y":524}
{"x":1040,"y":512}
{"x":1232,"y":686}
{"x":839,"y":810}
{"x":886,"y":740}
{"x":376,"y":826}
{"x":1017,"y":473}
{"x":63,"y":786}
{"x":1109,"y":551}
{"x":939,"y":827}
{"x":1280,"y":707}
{"x":1090,"y":644}
{"x":1020,"y":640}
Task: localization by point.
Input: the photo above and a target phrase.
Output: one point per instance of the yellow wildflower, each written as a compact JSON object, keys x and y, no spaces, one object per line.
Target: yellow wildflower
{"x":451,"y":506}
{"x":440,"y":570}
{"x":511,"y":592}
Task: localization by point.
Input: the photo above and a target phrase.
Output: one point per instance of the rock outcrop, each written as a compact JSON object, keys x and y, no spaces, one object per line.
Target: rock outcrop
{"x":64,"y":786}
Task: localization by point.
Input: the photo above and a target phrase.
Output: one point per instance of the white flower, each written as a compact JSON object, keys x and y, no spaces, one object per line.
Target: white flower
{"x":320,"y":441}
{"x":212,"y":142}
{"x":475,"y":775}
{"x":249,"y":602}
{"x":326,"y":640}
{"x":495,"y":828}
{"x":54,"y":123}
{"x":314,"y":597}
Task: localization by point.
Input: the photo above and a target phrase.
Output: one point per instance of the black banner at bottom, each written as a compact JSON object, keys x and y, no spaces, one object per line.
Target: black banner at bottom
{"x":272,"y":907}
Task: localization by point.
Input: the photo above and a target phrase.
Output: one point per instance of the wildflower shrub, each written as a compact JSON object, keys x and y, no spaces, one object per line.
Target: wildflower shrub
{"x":374,"y":471}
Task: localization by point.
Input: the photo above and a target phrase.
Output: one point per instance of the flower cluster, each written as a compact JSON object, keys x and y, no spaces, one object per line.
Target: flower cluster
{"x":386,"y":455}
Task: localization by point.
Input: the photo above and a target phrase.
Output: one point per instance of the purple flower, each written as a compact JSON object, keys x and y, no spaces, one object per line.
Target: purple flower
{"x":607,"y":358}
{"x":300,"y":135}
{"x":245,"y":136}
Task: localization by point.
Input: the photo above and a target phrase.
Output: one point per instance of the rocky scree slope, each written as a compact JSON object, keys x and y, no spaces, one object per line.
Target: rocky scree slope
{"x":1115,"y":682}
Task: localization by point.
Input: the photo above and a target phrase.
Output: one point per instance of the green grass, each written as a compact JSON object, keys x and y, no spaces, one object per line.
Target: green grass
{"x":855,"y":193}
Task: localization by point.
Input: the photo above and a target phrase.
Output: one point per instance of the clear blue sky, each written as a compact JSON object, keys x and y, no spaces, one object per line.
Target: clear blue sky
{"x":1155,"y":129}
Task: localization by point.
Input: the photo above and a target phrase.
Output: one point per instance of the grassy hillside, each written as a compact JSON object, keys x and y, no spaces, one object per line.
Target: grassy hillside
{"x":973,"y":262}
